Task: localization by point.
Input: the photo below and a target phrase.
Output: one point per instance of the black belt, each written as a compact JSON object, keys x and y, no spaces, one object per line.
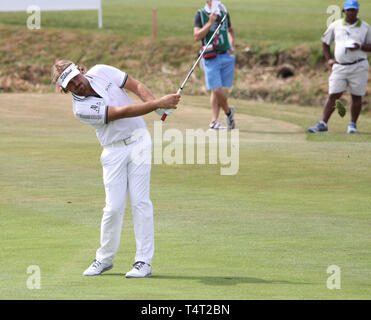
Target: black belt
{"x":221,"y":52}
{"x":350,"y":63}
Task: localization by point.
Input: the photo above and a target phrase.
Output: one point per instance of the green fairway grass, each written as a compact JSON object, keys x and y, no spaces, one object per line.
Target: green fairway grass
{"x":280,"y":24}
{"x":298,"y":204}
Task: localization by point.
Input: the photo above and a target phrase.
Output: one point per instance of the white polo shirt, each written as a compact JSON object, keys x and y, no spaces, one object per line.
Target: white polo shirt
{"x":341,"y":32}
{"x":108,"y":83}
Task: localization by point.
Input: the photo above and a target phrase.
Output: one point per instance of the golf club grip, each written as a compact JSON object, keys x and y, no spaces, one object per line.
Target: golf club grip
{"x":165,"y":114}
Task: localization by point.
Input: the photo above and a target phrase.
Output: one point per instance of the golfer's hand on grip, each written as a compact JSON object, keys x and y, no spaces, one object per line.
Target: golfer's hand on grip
{"x":169,"y":101}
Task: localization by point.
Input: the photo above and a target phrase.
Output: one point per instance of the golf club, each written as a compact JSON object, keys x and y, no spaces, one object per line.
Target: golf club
{"x":166,"y":112}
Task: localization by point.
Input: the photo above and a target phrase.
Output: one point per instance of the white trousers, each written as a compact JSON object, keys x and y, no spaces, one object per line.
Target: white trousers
{"x":127,"y":171}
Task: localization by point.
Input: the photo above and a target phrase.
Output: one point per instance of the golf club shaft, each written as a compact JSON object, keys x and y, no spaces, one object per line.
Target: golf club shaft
{"x":195,"y":65}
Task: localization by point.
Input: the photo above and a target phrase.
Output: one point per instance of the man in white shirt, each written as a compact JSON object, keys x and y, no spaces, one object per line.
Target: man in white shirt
{"x":100,"y":100}
{"x":350,"y":66}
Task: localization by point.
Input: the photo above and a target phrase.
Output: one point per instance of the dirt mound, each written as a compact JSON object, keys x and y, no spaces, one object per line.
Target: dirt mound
{"x":298,"y":75}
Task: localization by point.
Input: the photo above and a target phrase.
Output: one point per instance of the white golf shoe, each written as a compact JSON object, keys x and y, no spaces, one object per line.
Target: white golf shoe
{"x":140,"y":270}
{"x":230,"y":119}
{"x":320,"y":126}
{"x":96,"y":269}
{"x":216,"y":125}
{"x":352,"y":128}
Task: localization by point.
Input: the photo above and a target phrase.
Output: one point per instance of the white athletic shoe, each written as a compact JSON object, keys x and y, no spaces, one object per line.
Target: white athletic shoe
{"x":96,"y":269}
{"x":230,"y":120}
{"x":320,"y":126}
{"x":352,"y":127}
{"x":216,"y":125}
{"x":140,"y":270}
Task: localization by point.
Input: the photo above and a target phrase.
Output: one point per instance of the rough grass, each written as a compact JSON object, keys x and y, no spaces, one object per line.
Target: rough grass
{"x":161,"y":63}
{"x":268,"y":36}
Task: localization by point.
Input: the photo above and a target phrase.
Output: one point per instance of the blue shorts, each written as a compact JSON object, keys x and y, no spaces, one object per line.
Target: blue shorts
{"x":219,"y":71}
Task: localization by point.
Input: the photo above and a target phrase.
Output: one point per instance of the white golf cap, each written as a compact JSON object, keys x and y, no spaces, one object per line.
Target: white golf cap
{"x":66,"y":76}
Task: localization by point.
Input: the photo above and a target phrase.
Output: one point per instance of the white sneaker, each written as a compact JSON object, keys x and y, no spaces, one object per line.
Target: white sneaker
{"x":320,"y":126}
{"x":140,"y":270}
{"x":216,"y":125}
{"x":230,"y":120}
{"x":352,"y":127}
{"x":96,"y":269}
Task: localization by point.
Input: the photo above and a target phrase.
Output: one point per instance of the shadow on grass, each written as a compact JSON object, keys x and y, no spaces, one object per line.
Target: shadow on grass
{"x":216,"y":280}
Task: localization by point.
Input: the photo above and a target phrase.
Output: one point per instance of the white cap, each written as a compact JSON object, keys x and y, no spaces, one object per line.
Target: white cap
{"x":67,"y":75}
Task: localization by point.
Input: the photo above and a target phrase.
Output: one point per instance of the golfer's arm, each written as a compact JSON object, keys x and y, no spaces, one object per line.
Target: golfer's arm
{"x":134,"y":110}
{"x":139,"y":89}
{"x":327,"y":51}
{"x":131,"y":110}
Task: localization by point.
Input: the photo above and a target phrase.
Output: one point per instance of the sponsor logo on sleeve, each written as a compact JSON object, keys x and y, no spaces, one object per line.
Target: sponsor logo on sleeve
{"x":108,"y":86}
{"x":96,"y":106}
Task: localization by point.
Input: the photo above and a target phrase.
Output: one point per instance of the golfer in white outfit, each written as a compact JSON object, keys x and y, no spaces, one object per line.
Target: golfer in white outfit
{"x":100,"y":100}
